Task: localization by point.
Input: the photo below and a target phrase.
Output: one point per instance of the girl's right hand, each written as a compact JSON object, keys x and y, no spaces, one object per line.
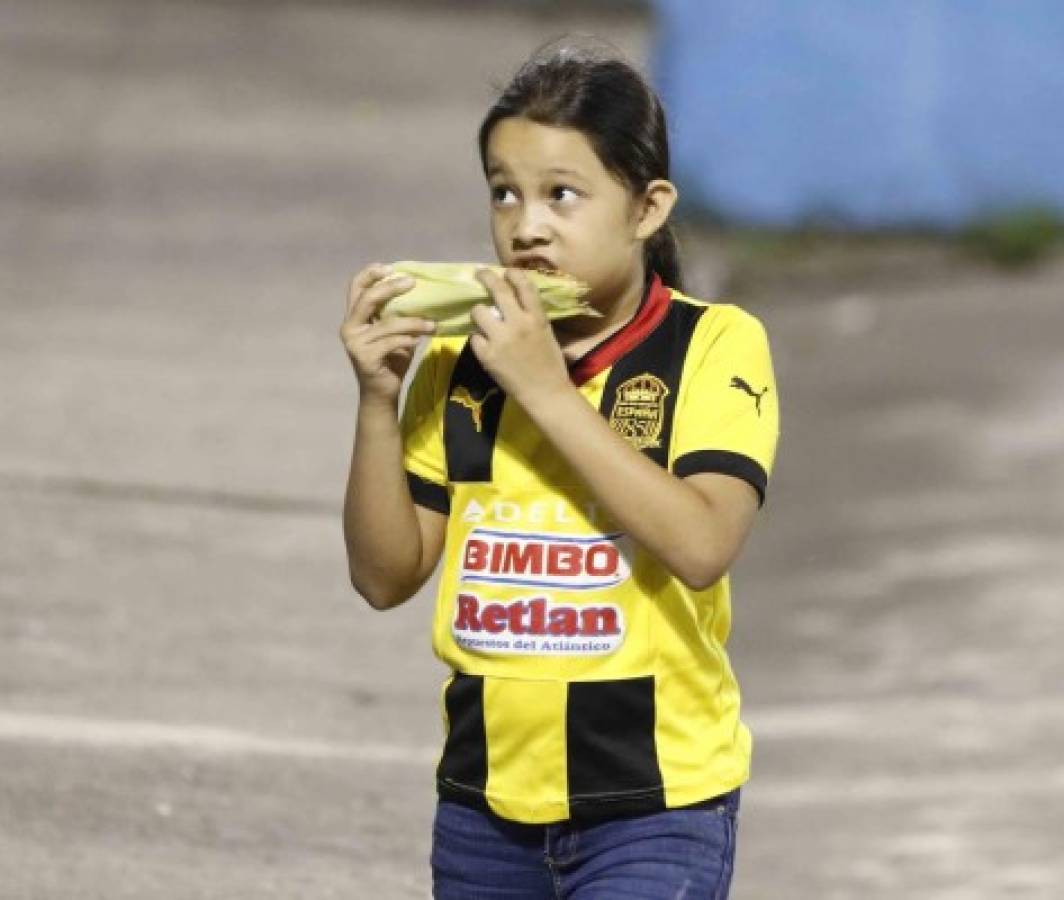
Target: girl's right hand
{"x":380,"y":351}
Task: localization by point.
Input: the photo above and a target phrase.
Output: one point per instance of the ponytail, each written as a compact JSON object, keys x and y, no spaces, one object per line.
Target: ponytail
{"x":661,"y":254}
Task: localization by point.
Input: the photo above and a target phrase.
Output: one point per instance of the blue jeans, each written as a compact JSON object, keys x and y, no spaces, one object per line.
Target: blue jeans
{"x":677,"y":853}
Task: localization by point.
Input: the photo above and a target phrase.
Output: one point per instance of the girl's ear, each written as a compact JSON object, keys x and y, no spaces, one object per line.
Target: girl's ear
{"x":654,"y":206}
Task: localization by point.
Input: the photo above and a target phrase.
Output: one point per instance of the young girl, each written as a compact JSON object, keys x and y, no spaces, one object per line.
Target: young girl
{"x":589,"y":484}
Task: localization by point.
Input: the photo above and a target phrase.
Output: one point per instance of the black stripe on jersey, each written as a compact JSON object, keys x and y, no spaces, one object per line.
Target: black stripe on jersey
{"x":610,"y":751}
{"x":428,"y":493}
{"x":661,"y":354}
{"x":724,"y":461}
{"x":463,"y":769}
{"x":473,"y":398}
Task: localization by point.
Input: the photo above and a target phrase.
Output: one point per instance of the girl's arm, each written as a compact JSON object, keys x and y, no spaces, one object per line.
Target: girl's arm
{"x":695,"y":526}
{"x":392,"y":544}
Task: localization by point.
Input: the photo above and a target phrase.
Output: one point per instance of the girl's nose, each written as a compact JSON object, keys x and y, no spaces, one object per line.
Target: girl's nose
{"x":531,"y":226}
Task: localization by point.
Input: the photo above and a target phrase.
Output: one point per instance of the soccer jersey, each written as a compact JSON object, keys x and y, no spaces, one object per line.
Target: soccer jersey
{"x":587,"y":679}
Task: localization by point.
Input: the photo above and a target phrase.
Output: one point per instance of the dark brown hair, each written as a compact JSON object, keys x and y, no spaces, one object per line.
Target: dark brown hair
{"x":606,"y":99}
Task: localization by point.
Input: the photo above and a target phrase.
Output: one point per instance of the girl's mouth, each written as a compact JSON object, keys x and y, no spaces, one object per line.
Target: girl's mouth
{"x":538,"y":263}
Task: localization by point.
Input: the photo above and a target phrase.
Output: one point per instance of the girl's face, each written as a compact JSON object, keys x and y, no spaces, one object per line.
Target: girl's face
{"x":554,"y":205}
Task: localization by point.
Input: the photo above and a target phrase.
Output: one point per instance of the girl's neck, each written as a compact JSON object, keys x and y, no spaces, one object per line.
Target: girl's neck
{"x":578,"y":335}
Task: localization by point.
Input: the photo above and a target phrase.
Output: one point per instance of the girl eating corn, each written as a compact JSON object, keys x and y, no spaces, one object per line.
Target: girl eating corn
{"x":588,"y":481}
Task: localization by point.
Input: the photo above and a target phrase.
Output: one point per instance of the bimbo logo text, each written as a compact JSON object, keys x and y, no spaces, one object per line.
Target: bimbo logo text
{"x":570,"y":562}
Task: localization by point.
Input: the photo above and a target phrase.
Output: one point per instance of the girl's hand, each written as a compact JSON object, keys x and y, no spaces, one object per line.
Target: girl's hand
{"x":380,"y":351}
{"x":516,"y":343}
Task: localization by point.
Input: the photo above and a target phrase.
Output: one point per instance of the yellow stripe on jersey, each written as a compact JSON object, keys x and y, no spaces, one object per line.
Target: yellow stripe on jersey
{"x":523,"y":784}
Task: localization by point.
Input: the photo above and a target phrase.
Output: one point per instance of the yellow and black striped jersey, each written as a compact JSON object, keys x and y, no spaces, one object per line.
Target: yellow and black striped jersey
{"x":587,"y":679}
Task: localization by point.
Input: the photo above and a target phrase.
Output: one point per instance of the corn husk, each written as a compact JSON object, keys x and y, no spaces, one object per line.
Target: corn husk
{"x":447,"y":292}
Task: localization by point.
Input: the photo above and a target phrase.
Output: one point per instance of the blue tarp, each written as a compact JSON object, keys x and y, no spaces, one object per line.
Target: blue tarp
{"x":866,"y":114}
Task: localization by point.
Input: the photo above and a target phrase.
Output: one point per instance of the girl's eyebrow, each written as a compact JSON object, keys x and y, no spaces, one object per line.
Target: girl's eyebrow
{"x":499,"y":168}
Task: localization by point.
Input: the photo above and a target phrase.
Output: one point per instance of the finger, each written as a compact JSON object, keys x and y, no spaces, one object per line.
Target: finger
{"x":373,"y":298}
{"x":361,"y":281}
{"x":501,"y":291}
{"x":349,"y":331}
{"x":525,"y":293}
{"x":357,"y":337}
{"x":479,"y":345}
{"x":391,"y":344}
{"x":408,"y":325}
{"x":487,"y":318}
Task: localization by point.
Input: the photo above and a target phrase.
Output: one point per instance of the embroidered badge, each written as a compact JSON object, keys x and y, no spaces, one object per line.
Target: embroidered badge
{"x":639,"y":411}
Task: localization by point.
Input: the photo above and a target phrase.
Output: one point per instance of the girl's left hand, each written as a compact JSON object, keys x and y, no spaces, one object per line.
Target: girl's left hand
{"x":518,"y":348}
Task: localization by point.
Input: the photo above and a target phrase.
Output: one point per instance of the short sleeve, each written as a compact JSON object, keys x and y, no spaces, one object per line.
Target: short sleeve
{"x":421,"y":425}
{"x":727,"y":417}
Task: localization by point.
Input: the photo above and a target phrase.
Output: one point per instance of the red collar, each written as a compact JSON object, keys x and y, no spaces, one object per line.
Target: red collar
{"x":652,"y":310}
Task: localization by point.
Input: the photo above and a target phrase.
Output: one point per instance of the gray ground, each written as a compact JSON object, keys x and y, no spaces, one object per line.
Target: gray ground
{"x":193,"y":704}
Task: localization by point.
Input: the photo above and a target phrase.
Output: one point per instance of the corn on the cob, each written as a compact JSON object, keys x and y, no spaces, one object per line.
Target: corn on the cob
{"x":447,"y":292}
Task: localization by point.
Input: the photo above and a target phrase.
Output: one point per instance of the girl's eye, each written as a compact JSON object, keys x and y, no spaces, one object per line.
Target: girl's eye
{"x":560,"y":193}
{"x":501,"y":195}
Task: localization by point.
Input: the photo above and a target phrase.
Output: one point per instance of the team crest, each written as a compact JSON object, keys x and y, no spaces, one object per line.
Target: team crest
{"x":639,"y":411}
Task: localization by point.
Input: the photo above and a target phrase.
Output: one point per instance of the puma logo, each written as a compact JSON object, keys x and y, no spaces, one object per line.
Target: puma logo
{"x":737,"y":382}
{"x":462,"y":397}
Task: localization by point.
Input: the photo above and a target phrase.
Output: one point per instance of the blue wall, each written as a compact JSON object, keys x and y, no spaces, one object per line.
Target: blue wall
{"x":864,"y":113}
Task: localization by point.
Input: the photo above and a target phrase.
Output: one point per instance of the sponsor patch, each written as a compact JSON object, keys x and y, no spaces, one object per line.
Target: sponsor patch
{"x":537,"y":514}
{"x":536,"y":625}
{"x":569,"y":562}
